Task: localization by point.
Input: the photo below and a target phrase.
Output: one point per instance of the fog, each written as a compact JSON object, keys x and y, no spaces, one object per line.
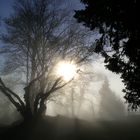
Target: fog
{"x":8,"y":113}
{"x":98,"y":96}
{"x":96,"y":100}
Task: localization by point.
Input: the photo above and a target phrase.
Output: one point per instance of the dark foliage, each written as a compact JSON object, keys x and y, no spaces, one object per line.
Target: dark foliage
{"x":118,"y":23}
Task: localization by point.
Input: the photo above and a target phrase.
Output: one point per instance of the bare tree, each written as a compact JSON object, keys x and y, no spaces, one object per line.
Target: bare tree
{"x":39,"y":34}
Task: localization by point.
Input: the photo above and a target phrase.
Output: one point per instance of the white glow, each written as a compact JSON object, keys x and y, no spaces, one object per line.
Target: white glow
{"x":67,"y":70}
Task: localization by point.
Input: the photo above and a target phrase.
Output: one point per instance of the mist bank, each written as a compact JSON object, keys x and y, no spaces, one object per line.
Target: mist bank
{"x":99,"y":97}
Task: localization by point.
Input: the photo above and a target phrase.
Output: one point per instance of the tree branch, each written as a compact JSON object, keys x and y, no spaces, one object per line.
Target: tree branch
{"x":9,"y":92}
{"x":18,"y":106}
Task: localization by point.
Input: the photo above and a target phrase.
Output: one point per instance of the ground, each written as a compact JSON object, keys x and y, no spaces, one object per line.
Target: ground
{"x":62,"y":128}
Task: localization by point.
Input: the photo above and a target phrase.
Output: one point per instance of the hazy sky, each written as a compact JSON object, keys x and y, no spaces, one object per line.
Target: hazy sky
{"x":6,"y":9}
{"x":115,"y":83}
{"x":6,"y":6}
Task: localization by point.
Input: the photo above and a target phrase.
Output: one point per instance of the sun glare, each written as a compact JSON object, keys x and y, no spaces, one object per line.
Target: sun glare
{"x":67,"y":70}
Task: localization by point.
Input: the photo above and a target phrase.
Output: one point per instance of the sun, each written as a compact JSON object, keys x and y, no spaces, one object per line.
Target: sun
{"x":67,"y":70}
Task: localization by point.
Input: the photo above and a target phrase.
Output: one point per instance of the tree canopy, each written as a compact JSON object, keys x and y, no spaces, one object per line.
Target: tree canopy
{"x":118,"y":24}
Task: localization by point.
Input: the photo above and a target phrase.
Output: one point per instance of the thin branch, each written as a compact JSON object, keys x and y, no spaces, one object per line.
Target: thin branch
{"x":54,"y":88}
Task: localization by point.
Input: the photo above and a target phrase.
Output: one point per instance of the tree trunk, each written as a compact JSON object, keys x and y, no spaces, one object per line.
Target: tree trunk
{"x":28,"y":112}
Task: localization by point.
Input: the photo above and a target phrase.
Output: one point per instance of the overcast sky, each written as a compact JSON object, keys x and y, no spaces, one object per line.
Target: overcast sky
{"x":6,"y":9}
{"x":115,"y":83}
{"x":6,"y":6}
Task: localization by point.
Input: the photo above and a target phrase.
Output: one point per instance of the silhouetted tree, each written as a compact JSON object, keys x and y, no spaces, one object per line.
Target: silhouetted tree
{"x":118,"y":24}
{"x":110,"y":107}
{"x":39,"y":34}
